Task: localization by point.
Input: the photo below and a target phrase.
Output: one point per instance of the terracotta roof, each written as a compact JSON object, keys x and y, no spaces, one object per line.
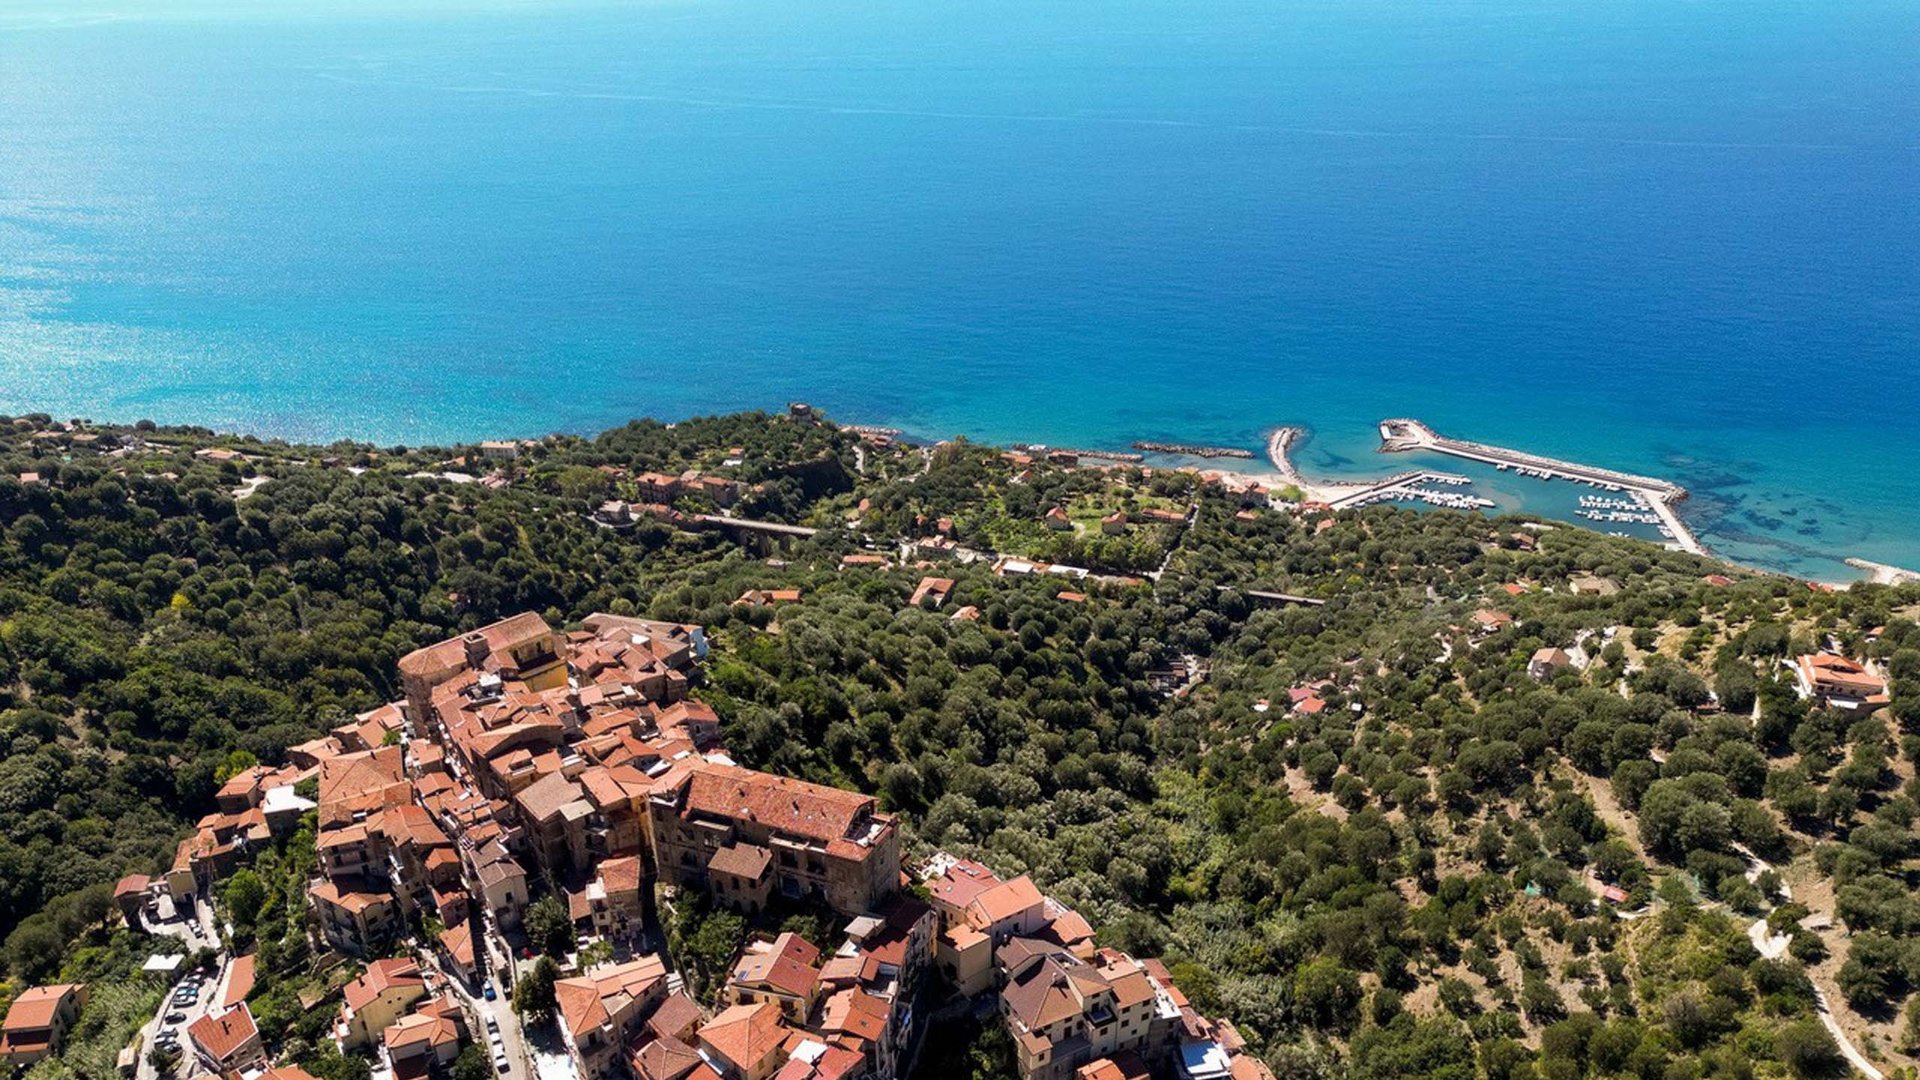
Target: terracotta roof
{"x":747,"y":861}
{"x":34,"y":1007}
{"x":788,"y":965}
{"x":239,"y":980}
{"x":745,"y":1035}
{"x":458,"y":941}
{"x":665,"y":1058}
{"x":960,"y":882}
{"x":421,"y":1028}
{"x":349,"y":898}
{"x":548,"y":795}
{"x":790,"y":806}
{"x":857,"y":1013}
{"x":588,"y":1002}
{"x":1043,"y":993}
{"x":1825,"y":670}
{"x":677,"y":1016}
{"x":362,"y":781}
{"x":936,"y":587}
{"x":218,"y":1035}
{"x":513,"y":630}
{"x":1004,"y":901}
{"x":132,"y":885}
{"x":383,"y":975}
{"x":621,"y":875}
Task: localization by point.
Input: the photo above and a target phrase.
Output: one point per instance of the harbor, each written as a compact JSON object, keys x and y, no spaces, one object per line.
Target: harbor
{"x":1655,"y":496}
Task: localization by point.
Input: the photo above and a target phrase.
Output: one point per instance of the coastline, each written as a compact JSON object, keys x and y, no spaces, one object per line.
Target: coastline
{"x":1661,"y":496}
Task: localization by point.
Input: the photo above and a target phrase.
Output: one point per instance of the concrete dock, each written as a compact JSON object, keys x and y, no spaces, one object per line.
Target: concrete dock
{"x":1660,"y":495}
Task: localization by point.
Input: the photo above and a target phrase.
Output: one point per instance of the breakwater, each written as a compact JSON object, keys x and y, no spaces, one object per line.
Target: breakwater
{"x":1191,"y":450}
{"x":1074,"y":451}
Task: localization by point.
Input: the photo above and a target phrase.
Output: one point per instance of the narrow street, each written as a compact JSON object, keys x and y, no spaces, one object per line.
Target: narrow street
{"x":194,"y":934}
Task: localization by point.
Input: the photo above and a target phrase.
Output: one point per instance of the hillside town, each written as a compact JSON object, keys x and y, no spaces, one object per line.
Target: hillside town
{"x":527,"y":762}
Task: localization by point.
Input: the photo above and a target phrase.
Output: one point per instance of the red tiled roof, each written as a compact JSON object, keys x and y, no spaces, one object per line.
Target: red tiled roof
{"x":790,"y":806}
{"x":239,"y":980}
{"x":787,"y":965}
{"x":381,"y":976}
{"x":218,"y":1035}
{"x":35,"y":1006}
{"x":745,"y":1035}
{"x":1004,"y":901}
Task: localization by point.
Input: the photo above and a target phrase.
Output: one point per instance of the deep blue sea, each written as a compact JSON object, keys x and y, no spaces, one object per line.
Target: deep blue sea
{"x":1672,"y":236}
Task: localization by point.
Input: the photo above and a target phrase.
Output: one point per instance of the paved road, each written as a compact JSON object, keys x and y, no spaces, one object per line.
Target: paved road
{"x":501,"y":1010}
{"x":210,"y":993}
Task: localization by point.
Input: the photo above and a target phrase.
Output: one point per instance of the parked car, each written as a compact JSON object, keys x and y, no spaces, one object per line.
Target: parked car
{"x":176,"y":1017}
{"x":500,"y":1064}
{"x":488,"y":991}
{"x":493,"y":1023}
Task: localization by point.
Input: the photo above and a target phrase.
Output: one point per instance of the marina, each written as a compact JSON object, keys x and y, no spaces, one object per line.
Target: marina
{"x":1658,"y":496}
{"x":1405,"y":487}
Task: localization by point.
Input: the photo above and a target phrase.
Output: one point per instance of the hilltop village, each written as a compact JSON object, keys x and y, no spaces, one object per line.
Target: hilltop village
{"x":760,"y":747}
{"x":526,"y":762}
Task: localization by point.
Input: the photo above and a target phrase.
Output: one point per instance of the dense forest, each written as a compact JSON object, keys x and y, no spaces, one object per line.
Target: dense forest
{"x":1364,"y":828}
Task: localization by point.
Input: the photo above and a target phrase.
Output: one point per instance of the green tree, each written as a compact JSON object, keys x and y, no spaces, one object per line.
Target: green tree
{"x":244,"y":895}
{"x":1808,"y":1051}
{"x":533,"y":998}
{"x":1326,"y":994}
{"x":472,"y":1064}
{"x":549,"y":927}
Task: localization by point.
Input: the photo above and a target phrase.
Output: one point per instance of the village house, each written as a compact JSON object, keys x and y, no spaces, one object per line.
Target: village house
{"x":424,"y":1044}
{"x":932,"y":591}
{"x":375,"y":1001}
{"x":455,"y":949}
{"x":1837,"y":682}
{"x":1488,"y":621}
{"x":601,"y":1010}
{"x":1592,"y":585}
{"x":1547,"y":663}
{"x":783,"y":971}
{"x":1065,"y":1012}
{"x":131,"y":894}
{"x":767,"y":597}
{"x":38,"y":1021}
{"x":745,"y":1042}
{"x":227,"y":1042}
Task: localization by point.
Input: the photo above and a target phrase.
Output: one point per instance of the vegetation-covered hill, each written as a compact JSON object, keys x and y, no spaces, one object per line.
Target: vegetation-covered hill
{"x":1362,"y":829}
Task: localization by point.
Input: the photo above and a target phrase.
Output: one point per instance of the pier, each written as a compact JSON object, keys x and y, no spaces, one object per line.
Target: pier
{"x":1406,"y":486}
{"x":1659,"y":495}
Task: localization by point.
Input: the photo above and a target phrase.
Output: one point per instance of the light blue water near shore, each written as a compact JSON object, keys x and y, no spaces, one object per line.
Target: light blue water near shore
{"x":1670,"y":237}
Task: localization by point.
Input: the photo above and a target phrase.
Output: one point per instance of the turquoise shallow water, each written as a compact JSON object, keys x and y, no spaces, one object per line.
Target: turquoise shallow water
{"x":1670,"y":237}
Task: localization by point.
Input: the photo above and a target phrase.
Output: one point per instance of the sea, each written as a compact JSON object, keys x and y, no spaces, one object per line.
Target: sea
{"x":1674,"y":237}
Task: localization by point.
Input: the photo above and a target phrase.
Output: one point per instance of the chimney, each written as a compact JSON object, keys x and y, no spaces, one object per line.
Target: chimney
{"x":477,"y":649}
